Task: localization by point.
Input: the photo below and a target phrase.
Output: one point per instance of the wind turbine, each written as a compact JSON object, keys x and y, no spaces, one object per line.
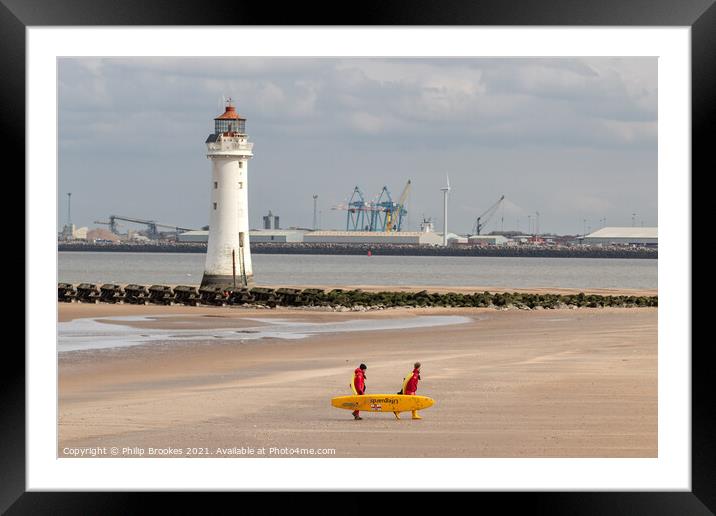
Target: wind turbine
{"x":445,"y":190}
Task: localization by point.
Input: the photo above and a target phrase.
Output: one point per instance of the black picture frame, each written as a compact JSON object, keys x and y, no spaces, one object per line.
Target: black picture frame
{"x":700,"y":15}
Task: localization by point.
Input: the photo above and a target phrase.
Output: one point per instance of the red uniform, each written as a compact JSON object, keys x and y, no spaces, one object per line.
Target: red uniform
{"x":358,"y":385}
{"x":412,"y":385}
{"x":359,"y":380}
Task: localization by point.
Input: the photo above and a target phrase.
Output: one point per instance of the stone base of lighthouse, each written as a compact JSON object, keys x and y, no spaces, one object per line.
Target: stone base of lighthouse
{"x":227,"y":281}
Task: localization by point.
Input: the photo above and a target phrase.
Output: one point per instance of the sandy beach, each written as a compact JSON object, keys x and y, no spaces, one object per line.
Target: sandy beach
{"x":506,"y":383}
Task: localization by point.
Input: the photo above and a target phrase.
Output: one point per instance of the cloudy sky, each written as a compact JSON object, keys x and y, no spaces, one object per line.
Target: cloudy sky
{"x":574,"y":139}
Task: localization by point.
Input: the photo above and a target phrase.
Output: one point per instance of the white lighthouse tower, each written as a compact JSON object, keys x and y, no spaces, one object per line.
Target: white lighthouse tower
{"x":228,"y":255}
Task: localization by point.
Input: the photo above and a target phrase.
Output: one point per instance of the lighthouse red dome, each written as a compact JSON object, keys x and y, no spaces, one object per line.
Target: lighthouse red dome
{"x":230,"y":114}
{"x":230,"y":122}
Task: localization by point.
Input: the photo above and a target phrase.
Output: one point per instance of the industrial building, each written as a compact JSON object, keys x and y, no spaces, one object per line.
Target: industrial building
{"x":327,"y":237}
{"x":194,"y":236}
{"x":622,"y":236}
{"x":487,"y":240}
{"x":271,"y":221}
{"x":355,"y":237}
{"x":372,"y":237}
{"x":277,"y":235}
{"x":456,"y":239}
{"x":270,"y":235}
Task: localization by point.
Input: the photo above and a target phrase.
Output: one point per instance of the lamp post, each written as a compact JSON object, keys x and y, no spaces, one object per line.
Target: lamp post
{"x":445,"y":190}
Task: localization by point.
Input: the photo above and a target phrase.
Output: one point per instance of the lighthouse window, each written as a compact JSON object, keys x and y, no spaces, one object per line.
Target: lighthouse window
{"x":241,"y":184}
{"x":214,"y":205}
{"x":216,"y":185}
{"x":241,"y":164}
{"x":225,"y":126}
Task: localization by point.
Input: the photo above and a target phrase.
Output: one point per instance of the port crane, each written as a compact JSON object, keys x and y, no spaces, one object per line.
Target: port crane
{"x":485,"y":217}
{"x":152,"y":225}
{"x":357,"y":209}
{"x":397,"y":211}
{"x":380,"y":214}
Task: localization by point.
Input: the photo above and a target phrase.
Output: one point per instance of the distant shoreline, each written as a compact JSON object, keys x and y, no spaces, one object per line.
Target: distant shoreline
{"x":382,"y":249}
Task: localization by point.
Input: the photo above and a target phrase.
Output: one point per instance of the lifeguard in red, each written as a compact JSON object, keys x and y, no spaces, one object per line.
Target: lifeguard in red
{"x":410,"y":387}
{"x":358,"y":385}
{"x":411,"y":382}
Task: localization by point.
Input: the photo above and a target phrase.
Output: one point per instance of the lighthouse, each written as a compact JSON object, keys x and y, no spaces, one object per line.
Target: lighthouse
{"x":228,"y":255}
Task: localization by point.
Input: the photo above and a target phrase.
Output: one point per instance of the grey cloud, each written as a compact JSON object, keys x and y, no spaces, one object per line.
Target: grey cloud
{"x":324,"y":125}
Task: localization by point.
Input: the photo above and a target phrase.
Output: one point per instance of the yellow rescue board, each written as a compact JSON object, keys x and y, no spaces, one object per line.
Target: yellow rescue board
{"x":382,"y":402}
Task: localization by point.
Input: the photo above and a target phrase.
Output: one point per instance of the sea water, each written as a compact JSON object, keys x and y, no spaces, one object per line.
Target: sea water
{"x":386,"y":271}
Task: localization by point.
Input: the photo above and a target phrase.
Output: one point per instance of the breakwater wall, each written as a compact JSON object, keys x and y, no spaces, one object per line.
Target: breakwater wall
{"x":524,"y":251}
{"x":335,"y":298}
